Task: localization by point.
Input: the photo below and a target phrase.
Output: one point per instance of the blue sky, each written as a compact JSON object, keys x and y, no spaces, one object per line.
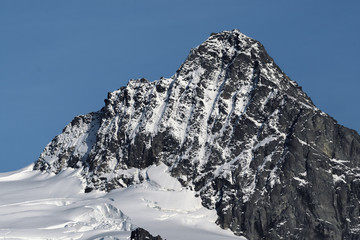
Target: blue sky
{"x":58,"y":59}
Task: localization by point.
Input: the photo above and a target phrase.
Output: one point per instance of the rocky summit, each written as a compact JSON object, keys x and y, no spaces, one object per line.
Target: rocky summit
{"x":233,"y":127}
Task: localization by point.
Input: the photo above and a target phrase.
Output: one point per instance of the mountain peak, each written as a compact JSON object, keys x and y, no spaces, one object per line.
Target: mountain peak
{"x":220,"y":49}
{"x":233,"y":127}
{"x":234,"y":37}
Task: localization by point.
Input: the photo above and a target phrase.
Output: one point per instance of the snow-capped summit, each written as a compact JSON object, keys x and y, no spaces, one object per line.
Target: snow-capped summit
{"x":233,"y":127}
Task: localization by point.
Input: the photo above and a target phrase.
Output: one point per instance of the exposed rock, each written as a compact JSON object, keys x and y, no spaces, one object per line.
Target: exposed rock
{"x":142,"y":234}
{"x":231,"y":125}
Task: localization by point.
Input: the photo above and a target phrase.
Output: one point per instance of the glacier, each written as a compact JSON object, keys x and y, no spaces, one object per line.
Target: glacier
{"x":38,"y":205}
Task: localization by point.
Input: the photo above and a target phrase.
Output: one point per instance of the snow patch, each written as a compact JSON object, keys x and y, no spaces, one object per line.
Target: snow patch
{"x":338,"y":161}
{"x":301,"y":182}
{"x":337,"y":178}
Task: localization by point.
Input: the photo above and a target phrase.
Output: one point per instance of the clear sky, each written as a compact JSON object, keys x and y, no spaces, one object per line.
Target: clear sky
{"x":59,"y":58}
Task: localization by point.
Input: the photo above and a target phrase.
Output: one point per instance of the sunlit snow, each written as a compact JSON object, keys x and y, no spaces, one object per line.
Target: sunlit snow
{"x":37,"y":205}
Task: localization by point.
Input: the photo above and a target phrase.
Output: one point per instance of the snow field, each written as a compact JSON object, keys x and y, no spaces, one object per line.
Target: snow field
{"x":36,"y":205}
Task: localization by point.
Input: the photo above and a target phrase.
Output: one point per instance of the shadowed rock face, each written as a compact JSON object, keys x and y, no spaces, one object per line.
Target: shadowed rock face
{"x":142,"y":234}
{"x":231,"y":125}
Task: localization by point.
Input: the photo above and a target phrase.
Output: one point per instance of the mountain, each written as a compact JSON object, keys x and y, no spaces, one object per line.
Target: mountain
{"x":231,"y":128}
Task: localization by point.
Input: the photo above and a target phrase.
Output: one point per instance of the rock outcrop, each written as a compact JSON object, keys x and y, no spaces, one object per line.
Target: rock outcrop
{"x":142,"y":234}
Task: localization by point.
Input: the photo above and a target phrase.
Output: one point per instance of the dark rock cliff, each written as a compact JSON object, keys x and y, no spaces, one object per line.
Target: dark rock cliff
{"x":142,"y":234}
{"x":232,"y":126}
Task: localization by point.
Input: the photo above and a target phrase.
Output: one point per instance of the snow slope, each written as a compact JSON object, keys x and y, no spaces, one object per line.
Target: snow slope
{"x":38,"y":205}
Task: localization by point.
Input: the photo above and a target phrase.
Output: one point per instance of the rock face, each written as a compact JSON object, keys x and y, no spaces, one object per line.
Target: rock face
{"x":142,"y":234}
{"x":231,"y":125}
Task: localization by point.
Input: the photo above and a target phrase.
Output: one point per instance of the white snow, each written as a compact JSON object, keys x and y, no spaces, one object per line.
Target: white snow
{"x":303,"y":142}
{"x":80,"y":137}
{"x":337,"y":178}
{"x":36,"y":205}
{"x":266,"y":141}
{"x":302,"y":182}
{"x":338,"y":161}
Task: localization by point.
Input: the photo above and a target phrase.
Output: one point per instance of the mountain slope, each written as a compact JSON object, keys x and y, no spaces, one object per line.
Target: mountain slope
{"x":233,"y":127}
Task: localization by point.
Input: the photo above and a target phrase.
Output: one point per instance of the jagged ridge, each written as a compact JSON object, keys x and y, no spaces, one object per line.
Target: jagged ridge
{"x":231,"y":125}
